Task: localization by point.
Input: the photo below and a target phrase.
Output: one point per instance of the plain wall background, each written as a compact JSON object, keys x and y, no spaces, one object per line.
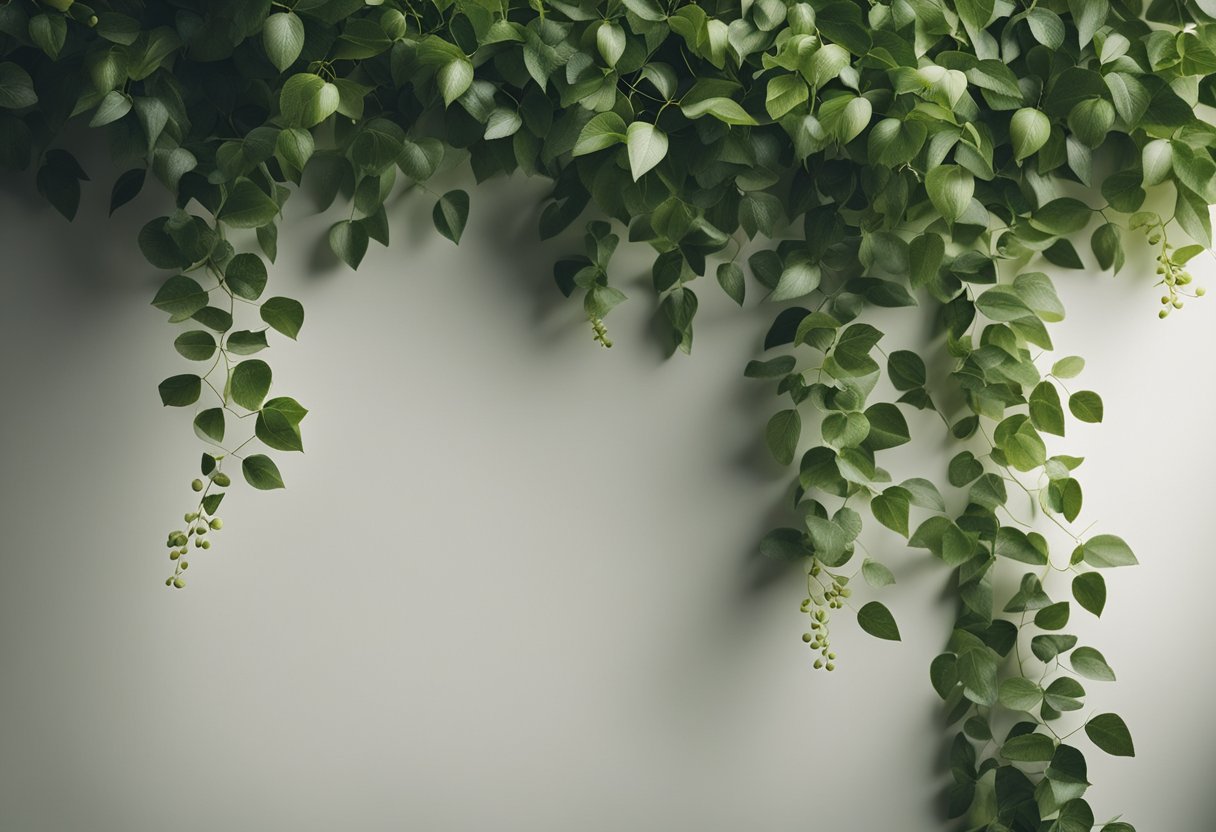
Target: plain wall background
{"x":512,"y":583}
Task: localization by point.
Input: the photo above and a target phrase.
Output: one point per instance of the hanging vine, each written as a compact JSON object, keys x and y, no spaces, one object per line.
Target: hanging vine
{"x":883,"y":154}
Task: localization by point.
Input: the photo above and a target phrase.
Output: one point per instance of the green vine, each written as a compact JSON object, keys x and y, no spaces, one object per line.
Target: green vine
{"x":883,"y":154}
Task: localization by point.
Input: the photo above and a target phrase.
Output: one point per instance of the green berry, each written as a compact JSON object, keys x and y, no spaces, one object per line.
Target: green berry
{"x":222,"y":480}
{"x":217,"y":523}
{"x":206,"y":544}
{"x":168,"y":582}
{"x":1163,"y":313}
{"x":197,"y":485}
{"x":179,"y":583}
{"x":184,"y":564}
{"x":174,"y":555}
{"x":1200,"y":292}
{"x":818,"y":663}
{"x":831,"y":666}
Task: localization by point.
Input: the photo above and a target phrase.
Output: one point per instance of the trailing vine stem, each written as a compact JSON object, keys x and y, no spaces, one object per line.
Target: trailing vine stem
{"x":885,"y":154}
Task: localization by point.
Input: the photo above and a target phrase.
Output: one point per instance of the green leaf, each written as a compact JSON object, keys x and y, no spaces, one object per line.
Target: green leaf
{"x":977,"y":668}
{"x":844,"y":430}
{"x":1017,"y":545}
{"x":1068,"y":367}
{"x":277,"y":431}
{"x":1105,"y":551}
{"x":1046,"y":410}
{"x":1028,"y":130}
{"x":195,"y":345}
{"x":876,"y":574}
{"x":247,"y":206}
{"x":647,"y":145}
{"x":180,"y":391}
{"x":1109,"y":732}
{"x":1091,"y":664}
{"x":975,"y":13}
{"x":1053,"y":616}
{"x":1029,"y":748}
{"x":16,"y":87}
{"x":126,"y":188}
{"x":943,"y":674}
{"x":245,"y":342}
{"x":888,"y":428}
{"x":923,"y":493}
{"x":906,"y":370}
{"x":798,"y":279}
{"x":1089,"y":588}
{"x":250,"y":382}
{"x":307,"y":100}
{"x":245,"y":275}
{"x":1062,"y":216}
{"x":1086,"y":405}
{"x":725,"y":110}
{"x":348,"y":241}
{"x":113,"y":106}
{"x":877,"y":620}
{"x":1020,"y":694}
{"x":950,"y":190}
{"x":785,"y":93}
{"x":209,"y":425}
{"x":773,"y":368}
{"x":451,"y":213}
{"x":261,"y":472}
{"x":604,"y":130}
{"x":454,"y":79}
{"x":181,"y":297}
{"x":420,"y":158}
{"x":283,"y":39}
{"x":730,"y":278}
{"x":284,"y":314}
{"x":891,"y":509}
{"x":610,"y":42}
{"x":782,"y":434}
{"x":963,"y":469}
{"x":1064,"y":694}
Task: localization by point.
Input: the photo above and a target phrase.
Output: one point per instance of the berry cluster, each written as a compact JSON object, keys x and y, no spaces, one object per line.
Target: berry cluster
{"x":821,"y":599}
{"x":600,"y":332}
{"x":198,"y":523}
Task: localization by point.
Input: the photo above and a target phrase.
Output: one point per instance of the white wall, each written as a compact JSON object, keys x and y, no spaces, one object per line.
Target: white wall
{"x":512,"y":582}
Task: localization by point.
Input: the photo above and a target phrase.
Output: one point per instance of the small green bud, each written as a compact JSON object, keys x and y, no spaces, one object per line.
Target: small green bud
{"x":846,"y":592}
{"x":1163,"y":313}
{"x":831,"y":655}
{"x":197,"y":485}
{"x":184,"y":565}
{"x":179,"y":583}
{"x":1177,"y":303}
{"x":1200,"y":291}
{"x":217,"y":523}
{"x":191,"y":517}
{"x":198,"y":543}
{"x":168,"y":582}
{"x":1165,"y":299}
{"x":818,"y":663}
{"x":206,"y":544}
{"x":222,"y":480}
{"x":174,"y":555}
{"x":831,"y":666}
{"x":807,"y":637}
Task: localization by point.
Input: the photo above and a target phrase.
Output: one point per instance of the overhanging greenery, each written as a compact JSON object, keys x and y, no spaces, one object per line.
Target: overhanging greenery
{"x":881,"y":153}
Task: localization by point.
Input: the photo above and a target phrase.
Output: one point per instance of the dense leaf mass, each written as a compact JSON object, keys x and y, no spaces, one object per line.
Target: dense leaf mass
{"x":866,"y":154}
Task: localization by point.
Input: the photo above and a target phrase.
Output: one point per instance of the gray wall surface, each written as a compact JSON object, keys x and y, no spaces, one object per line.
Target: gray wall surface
{"x":512,"y":583}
